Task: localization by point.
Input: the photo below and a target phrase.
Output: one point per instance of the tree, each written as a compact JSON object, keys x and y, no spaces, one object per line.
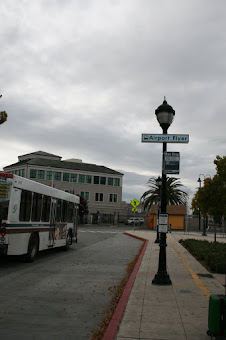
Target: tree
{"x":3,"y":115}
{"x":211,"y":198}
{"x":174,"y":195}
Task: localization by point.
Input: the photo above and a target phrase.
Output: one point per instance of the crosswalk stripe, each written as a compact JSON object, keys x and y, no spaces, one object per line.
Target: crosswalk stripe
{"x":100,"y":232}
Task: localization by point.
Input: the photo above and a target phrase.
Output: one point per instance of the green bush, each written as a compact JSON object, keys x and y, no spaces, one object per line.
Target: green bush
{"x":211,"y":254}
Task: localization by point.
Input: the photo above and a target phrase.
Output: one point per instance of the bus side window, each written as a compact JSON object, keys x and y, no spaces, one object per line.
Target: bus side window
{"x":46,"y":202}
{"x":58,"y":213}
{"x":64,"y":211}
{"x":25,"y":206}
{"x":70,"y":212}
{"x":36,"y":207}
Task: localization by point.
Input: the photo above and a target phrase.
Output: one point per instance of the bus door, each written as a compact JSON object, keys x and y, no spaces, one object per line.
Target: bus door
{"x":52,"y":221}
{"x":75,"y":224}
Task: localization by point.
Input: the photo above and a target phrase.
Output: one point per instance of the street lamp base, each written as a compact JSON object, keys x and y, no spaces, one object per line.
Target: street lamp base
{"x":162,"y":279}
{"x":157,"y":240}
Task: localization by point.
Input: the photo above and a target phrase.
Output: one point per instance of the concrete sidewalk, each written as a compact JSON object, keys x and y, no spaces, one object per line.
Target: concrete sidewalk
{"x":179,"y":311}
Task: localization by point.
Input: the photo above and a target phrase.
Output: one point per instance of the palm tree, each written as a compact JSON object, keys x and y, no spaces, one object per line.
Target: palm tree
{"x":174,"y":195}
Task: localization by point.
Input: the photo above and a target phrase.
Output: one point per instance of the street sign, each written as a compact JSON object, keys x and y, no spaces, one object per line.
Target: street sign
{"x":161,"y":138}
{"x":134,"y":209}
{"x":163,"y":223}
{"x":171,"y":163}
{"x":135,"y":203}
{"x":4,"y":188}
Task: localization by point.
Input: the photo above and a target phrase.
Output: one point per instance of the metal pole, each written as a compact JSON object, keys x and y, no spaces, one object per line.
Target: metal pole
{"x":157,"y":235}
{"x":162,"y":278}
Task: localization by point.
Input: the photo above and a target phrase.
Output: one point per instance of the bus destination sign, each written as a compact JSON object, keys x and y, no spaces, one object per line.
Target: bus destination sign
{"x":4,"y":188}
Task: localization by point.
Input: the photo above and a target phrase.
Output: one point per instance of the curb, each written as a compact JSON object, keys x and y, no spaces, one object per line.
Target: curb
{"x":117,"y":316}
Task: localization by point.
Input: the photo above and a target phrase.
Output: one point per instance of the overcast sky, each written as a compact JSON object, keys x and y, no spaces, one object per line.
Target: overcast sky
{"x":82,"y":79}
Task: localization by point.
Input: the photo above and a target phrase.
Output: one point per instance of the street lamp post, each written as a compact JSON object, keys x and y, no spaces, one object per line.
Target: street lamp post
{"x":165,"y":114}
{"x":159,"y":184}
{"x":200,"y":217}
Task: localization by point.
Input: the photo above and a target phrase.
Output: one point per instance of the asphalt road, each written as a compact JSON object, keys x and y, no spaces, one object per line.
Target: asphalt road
{"x":62,"y":294}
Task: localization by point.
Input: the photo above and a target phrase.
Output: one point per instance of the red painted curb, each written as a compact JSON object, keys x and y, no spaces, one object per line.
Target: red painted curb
{"x":117,"y":316}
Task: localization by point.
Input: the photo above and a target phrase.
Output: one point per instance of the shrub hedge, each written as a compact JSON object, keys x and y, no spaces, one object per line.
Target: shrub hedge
{"x":211,"y":254}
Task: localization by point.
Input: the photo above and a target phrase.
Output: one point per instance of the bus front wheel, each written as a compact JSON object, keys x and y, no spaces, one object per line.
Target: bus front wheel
{"x":32,"y":248}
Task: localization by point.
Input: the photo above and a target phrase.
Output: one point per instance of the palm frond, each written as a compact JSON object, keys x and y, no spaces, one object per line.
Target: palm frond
{"x":174,"y":195}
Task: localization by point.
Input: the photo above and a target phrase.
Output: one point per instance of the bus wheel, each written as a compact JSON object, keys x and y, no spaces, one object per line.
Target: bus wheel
{"x":68,"y":242}
{"x":32,"y":248}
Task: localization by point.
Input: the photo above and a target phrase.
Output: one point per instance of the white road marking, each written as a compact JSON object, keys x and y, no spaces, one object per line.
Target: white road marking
{"x":100,"y":232}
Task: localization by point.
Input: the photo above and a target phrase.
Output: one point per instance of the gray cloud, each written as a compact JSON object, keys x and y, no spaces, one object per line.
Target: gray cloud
{"x":83,"y":79}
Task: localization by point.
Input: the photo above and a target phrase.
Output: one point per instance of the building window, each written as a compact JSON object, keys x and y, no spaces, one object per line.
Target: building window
{"x":116,"y":182}
{"x":33,"y":173}
{"x":41,"y":174}
{"x":99,"y":197}
{"x":57,"y":176}
{"x":85,"y":195}
{"x":88,"y":179}
{"x":96,"y":180}
{"x":110,"y":181}
{"x":49,"y":175}
{"x":81,"y":179}
{"x":103,"y":180}
{"x":20,"y":172}
{"x":113,"y":198}
{"x":74,"y":178}
{"x":65,"y":177}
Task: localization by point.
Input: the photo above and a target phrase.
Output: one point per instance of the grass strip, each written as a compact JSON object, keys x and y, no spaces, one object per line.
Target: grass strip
{"x":212,"y":255}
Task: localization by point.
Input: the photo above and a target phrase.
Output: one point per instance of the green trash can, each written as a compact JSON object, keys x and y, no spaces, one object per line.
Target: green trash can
{"x":217,"y":316}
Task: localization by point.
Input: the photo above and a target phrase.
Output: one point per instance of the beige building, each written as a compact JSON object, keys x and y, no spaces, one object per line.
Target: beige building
{"x":99,"y":185}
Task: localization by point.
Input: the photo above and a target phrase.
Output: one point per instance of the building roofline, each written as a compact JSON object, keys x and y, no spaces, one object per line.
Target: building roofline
{"x":64,"y":165}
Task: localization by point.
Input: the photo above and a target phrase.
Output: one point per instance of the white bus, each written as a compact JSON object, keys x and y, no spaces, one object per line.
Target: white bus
{"x":35,"y":217}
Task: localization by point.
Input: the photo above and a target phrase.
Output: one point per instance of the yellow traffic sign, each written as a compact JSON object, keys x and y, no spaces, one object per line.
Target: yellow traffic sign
{"x":135,"y":203}
{"x":134,"y":209}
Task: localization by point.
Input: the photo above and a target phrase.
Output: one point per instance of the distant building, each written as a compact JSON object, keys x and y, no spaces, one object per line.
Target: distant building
{"x":176,"y":215}
{"x":99,"y":185}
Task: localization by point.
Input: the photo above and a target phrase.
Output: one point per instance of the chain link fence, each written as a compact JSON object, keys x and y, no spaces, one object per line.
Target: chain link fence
{"x":195,"y":223}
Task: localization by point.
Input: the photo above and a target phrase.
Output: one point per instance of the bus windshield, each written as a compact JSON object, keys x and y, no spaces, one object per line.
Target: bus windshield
{"x":4,"y":206}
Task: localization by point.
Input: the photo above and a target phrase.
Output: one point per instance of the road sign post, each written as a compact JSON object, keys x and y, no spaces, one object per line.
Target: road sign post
{"x":134,"y":204}
{"x":165,"y":115}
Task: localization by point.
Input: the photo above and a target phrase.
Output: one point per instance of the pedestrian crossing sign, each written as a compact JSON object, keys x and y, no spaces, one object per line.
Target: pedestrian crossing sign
{"x":134,"y":209}
{"x":135,"y":203}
